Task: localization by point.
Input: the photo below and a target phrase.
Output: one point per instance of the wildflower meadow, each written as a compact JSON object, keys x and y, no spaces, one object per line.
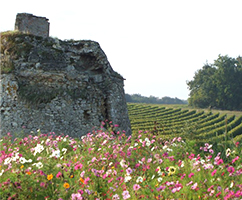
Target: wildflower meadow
{"x":111,"y":166}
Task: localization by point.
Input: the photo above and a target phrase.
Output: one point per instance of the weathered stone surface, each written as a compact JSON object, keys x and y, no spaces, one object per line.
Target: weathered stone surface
{"x":58,"y":86}
{"x":28,"y":23}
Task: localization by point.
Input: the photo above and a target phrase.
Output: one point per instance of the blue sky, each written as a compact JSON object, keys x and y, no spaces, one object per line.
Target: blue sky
{"x":156,"y":45}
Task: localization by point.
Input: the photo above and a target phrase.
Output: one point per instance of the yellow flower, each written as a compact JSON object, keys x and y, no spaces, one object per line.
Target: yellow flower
{"x":49,"y":176}
{"x":66,"y":185}
{"x":22,"y":167}
{"x":171,"y":170}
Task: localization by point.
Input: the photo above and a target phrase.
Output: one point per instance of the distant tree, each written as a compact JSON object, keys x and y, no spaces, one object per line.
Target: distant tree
{"x":137,"y":98}
{"x":218,"y":85}
{"x":128,"y":97}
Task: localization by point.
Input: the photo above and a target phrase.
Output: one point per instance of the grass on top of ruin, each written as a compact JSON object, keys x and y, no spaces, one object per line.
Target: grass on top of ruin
{"x":105,"y":165}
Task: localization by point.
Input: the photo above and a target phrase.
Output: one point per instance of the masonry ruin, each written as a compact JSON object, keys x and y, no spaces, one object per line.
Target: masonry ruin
{"x":28,"y":23}
{"x":58,"y":86}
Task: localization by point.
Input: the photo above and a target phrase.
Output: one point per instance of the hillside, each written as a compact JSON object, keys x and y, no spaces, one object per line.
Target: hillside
{"x":179,"y":120}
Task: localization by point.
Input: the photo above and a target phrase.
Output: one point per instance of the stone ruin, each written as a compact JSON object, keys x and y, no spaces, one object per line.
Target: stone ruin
{"x":28,"y":23}
{"x":58,"y":86}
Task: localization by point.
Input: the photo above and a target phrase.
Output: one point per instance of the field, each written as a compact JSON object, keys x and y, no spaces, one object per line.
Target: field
{"x":168,"y":121}
{"x":168,"y":157}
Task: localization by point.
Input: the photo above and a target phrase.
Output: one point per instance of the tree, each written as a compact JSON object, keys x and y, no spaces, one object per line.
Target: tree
{"x":218,"y":85}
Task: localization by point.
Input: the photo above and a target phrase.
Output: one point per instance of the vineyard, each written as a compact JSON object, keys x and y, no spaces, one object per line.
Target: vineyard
{"x":203,"y":126}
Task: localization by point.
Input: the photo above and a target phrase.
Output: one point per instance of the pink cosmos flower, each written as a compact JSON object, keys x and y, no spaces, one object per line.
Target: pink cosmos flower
{"x":110,"y":180}
{"x":218,"y":194}
{"x":194,"y":186}
{"x":86,"y":180}
{"x":115,"y":197}
{"x":136,"y":187}
{"x":236,"y":158}
{"x":77,"y":196}
{"x":129,"y":170}
{"x":126,"y":194}
{"x":82,"y":174}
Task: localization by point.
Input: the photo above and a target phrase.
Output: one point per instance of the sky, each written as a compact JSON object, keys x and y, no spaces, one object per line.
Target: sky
{"x":156,"y":45}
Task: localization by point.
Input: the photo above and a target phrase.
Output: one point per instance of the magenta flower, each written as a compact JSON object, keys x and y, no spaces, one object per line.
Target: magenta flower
{"x":230,"y":169}
{"x":183,"y":175}
{"x":42,"y":184}
{"x":136,"y":187}
{"x":78,"y":166}
{"x":190,"y":175}
{"x":161,"y":188}
{"x":220,"y":161}
{"x":213,"y":172}
{"x":191,"y":156}
{"x":59,"y":174}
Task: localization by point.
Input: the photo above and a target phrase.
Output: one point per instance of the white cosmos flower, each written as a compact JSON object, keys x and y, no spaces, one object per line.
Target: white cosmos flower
{"x":64,"y":150}
{"x":127,"y":178}
{"x":7,"y":161}
{"x":16,"y":157}
{"x":38,"y":165}
{"x":38,"y":149}
{"x":1,"y":173}
{"x":139,"y":179}
{"x":159,"y":179}
{"x":22,"y":160}
{"x":147,"y":142}
{"x":122,"y":163}
{"x":55,"y":153}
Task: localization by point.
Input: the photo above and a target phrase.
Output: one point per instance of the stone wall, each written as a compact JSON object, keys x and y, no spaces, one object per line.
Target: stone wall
{"x":58,"y":86}
{"x":28,"y":23}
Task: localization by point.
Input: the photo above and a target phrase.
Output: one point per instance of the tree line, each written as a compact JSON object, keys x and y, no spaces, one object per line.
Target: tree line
{"x":137,"y":98}
{"x":218,"y":85}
